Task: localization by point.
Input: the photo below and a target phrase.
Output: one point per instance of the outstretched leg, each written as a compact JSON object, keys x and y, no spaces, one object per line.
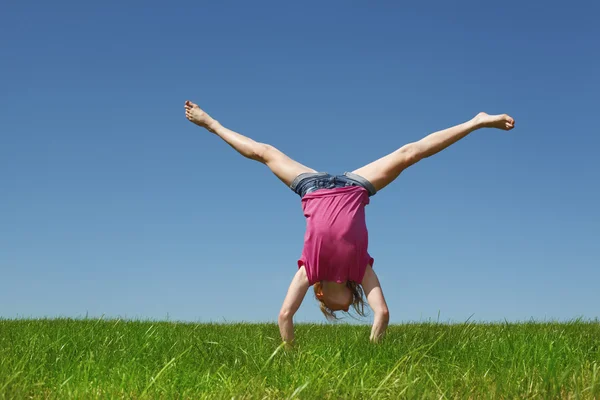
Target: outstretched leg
{"x":383,"y":171}
{"x":281,"y":165}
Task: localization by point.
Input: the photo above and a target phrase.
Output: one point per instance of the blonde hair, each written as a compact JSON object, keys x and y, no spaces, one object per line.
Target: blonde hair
{"x":358,"y":300}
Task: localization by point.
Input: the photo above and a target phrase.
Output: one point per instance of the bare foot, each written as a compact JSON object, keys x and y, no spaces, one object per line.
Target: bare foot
{"x":196,"y":115}
{"x":502,"y":121}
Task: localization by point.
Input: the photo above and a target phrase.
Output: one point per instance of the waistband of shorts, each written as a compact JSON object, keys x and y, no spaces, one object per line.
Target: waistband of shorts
{"x":349,"y":175}
{"x":365,"y":183}
{"x":303,"y":175}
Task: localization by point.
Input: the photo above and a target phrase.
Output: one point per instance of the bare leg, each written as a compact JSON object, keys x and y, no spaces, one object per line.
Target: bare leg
{"x":383,"y":171}
{"x":281,"y":165}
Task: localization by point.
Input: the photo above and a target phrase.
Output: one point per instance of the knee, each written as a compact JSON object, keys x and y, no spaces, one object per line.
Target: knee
{"x":263,"y":152}
{"x":411,"y":154}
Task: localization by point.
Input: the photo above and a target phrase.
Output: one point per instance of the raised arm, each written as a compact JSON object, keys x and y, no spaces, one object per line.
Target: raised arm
{"x":372,"y":289}
{"x":291,"y":304}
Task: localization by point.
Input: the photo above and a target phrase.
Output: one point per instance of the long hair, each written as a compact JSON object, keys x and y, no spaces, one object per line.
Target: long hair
{"x":358,"y":300}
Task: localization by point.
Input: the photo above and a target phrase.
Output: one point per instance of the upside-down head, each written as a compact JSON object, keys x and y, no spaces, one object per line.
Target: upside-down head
{"x":332,"y":300}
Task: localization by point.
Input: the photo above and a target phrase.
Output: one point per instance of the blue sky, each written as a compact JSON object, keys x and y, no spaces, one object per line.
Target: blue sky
{"x":113,"y":204}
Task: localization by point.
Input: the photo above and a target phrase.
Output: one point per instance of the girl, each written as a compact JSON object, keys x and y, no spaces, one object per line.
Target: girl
{"x":335,"y":259}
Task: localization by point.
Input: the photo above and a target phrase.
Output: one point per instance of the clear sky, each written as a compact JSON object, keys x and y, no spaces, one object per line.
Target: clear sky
{"x":112,"y":203}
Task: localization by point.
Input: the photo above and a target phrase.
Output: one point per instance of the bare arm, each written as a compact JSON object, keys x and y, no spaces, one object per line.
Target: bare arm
{"x":372,"y":289}
{"x":291,"y":304}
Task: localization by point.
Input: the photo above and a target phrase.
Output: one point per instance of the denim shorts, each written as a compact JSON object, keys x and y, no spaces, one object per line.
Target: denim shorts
{"x":310,"y":181}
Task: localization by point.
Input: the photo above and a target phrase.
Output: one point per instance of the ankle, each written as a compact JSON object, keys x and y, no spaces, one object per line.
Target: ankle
{"x":476,"y":122}
{"x":212,"y":125}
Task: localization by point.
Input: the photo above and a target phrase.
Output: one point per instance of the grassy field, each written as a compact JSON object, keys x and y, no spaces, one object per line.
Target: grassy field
{"x":65,"y":358}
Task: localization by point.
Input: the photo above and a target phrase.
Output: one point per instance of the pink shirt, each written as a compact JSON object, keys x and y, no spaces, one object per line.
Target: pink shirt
{"x":336,"y":239}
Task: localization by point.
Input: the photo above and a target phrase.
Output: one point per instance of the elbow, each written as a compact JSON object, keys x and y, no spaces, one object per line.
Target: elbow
{"x":285,"y":315}
{"x":384,"y":315}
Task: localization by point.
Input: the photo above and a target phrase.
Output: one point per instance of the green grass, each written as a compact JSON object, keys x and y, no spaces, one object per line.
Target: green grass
{"x":65,"y":358}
